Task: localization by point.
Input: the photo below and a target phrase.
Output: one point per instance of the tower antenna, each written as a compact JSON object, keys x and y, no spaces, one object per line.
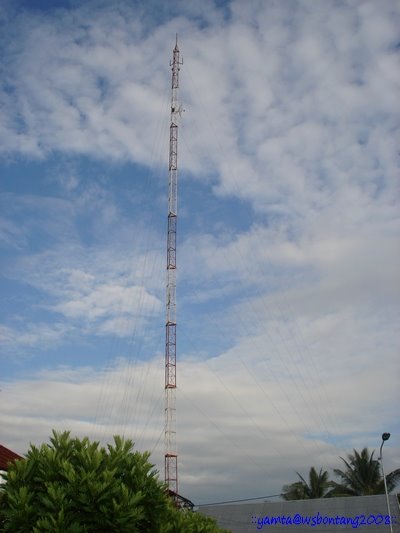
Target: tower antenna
{"x":171,"y":456}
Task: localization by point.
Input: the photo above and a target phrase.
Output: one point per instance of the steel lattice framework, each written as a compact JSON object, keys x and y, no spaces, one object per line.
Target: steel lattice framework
{"x":171,"y":456}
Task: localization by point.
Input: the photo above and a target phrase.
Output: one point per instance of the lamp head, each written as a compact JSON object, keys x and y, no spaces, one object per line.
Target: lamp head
{"x":385,"y":436}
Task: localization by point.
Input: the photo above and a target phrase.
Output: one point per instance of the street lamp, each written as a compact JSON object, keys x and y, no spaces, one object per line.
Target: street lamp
{"x":385,"y":437}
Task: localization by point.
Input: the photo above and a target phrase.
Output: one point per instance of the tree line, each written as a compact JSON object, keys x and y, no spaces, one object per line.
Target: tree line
{"x":361,"y":476}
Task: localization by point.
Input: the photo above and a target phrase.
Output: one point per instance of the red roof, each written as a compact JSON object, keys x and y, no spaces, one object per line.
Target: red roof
{"x":7,"y":456}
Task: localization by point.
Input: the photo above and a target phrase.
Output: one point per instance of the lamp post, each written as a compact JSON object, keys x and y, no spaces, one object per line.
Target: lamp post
{"x":385,"y":437}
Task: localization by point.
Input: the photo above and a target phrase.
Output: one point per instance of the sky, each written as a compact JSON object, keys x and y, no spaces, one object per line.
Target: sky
{"x":288,"y":232}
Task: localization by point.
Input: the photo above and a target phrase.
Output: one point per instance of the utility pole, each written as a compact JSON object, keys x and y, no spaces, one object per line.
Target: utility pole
{"x":171,"y":456}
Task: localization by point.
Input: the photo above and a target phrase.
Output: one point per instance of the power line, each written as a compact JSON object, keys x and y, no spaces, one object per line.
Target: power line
{"x":243,"y":500}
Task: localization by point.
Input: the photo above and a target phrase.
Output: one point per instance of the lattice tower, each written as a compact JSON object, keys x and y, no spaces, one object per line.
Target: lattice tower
{"x":171,"y":456}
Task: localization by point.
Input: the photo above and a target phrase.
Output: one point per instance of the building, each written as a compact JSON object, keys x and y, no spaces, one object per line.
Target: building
{"x":6,"y":457}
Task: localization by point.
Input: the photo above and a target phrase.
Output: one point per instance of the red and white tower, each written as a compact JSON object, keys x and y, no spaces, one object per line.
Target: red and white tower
{"x":171,"y":456}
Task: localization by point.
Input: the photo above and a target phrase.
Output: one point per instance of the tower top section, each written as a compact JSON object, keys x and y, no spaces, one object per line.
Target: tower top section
{"x":175,"y":64}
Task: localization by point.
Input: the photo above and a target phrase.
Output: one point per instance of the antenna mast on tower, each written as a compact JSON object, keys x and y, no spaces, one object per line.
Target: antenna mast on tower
{"x":171,"y":456}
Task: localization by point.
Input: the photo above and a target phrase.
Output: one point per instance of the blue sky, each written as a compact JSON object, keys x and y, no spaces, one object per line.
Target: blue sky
{"x":288,"y":231}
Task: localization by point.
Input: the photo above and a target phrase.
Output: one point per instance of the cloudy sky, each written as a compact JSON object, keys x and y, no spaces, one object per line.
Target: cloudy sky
{"x":288,"y":231}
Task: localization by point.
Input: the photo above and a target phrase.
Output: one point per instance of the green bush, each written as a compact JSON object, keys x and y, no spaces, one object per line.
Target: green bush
{"x":76,"y":486}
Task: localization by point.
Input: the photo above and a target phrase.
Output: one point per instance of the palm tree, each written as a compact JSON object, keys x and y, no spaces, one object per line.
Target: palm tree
{"x":317,"y":486}
{"x":363,"y":476}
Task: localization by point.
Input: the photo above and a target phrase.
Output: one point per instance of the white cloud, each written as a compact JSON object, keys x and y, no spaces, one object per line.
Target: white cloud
{"x":232,"y":434}
{"x":109,"y":287}
{"x":17,"y":337}
{"x":107,"y":299}
{"x":96,"y":294}
{"x":10,"y":233}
